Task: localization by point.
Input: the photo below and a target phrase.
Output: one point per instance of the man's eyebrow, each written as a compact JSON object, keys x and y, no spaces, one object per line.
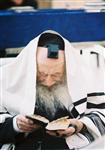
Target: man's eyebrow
{"x":56,"y":73}
{"x":40,"y":72}
{"x":56,"y":65}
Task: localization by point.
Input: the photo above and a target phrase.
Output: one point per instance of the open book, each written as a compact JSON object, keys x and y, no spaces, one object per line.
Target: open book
{"x":58,"y":124}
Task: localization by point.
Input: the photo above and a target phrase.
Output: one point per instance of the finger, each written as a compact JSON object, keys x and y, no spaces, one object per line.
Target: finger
{"x":25,"y":124}
{"x":60,"y":133}
{"x":22,"y":120}
{"x":22,"y":125}
{"x":67,"y":132}
{"x":78,"y":125}
{"x":25,"y":120}
{"x":26,"y":129}
{"x":56,"y":133}
{"x":52,"y":133}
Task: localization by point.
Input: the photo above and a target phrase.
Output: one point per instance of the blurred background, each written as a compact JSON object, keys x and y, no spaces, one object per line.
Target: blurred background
{"x":82,"y":22}
{"x":88,"y":5}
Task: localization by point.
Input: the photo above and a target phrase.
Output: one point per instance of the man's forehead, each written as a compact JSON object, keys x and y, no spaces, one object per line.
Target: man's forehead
{"x":42,"y":56}
{"x":52,"y":65}
{"x":51,"y":69}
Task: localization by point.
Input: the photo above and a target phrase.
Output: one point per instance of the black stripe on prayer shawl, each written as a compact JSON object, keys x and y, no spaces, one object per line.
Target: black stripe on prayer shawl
{"x":96,"y":94}
{"x":99,"y":113}
{"x":80,"y":101}
{"x":97,"y":122}
{"x":88,"y":135}
{"x":4,"y":113}
{"x":81,"y":115}
{"x":99,"y":106}
{"x":1,"y":113}
{"x":74,"y":112}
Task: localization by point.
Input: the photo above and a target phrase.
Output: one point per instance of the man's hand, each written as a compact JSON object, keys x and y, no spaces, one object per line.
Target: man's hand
{"x":25,"y":125}
{"x":69,"y":131}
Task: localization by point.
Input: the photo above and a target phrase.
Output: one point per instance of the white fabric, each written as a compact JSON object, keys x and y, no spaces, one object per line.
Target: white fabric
{"x":18,"y":79}
{"x":97,"y":145}
{"x":4,"y":61}
{"x":18,"y":83}
{"x":8,"y":147}
{"x":3,"y":117}
{"x":78,"y":142}
{"x":15,"y":124}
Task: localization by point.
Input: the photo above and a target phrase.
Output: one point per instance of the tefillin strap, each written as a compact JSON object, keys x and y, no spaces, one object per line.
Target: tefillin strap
{"x":53,"y":50}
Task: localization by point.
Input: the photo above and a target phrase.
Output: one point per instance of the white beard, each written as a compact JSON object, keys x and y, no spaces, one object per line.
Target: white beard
{"x":51,"y":100}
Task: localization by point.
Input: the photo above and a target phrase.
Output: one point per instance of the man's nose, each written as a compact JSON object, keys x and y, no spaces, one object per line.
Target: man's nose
{"x":49,"y":82}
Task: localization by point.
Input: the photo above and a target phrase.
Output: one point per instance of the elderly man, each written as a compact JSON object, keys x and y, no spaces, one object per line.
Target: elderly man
{"x":48,"y":78}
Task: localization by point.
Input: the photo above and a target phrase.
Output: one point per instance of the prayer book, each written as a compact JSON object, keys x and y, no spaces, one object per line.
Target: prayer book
{"x":58,"y":124}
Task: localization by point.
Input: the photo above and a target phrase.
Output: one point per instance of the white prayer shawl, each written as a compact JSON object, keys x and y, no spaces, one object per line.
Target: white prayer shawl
{"x":18,"y":86}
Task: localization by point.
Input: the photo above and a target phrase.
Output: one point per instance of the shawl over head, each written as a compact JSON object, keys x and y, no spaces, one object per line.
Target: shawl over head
{"x":18,"y":86}
{"x":18,"y":79}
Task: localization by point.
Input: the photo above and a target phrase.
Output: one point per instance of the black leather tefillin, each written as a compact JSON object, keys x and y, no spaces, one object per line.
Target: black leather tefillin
{"x":53,"y":42}
{"x":53,"y":50}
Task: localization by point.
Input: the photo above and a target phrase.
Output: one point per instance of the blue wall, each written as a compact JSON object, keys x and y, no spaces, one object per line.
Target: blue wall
{"x":17,"y":29}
